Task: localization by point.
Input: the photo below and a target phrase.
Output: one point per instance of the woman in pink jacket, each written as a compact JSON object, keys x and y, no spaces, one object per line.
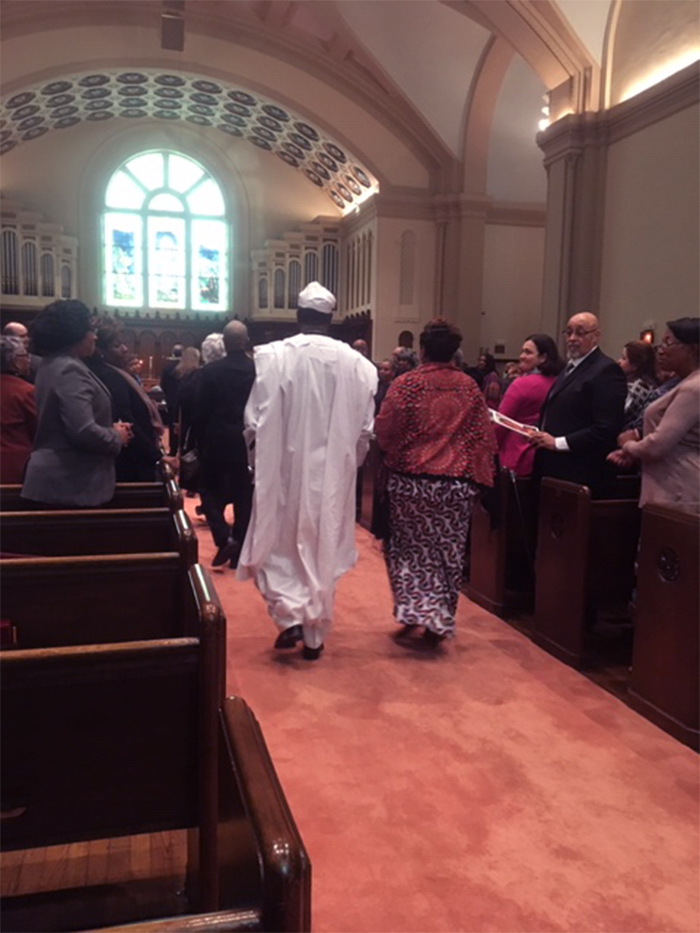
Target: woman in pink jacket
{"x":540,"y":364}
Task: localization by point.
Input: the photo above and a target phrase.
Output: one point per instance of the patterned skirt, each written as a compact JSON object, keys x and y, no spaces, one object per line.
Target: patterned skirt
{"x":429,"y":522}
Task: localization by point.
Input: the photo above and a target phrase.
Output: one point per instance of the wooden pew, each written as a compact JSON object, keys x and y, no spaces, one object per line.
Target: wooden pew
{"x":98,"y":531}
{"x":664,"y":680}
{"x":110,"y":740}
{"x":502,"y":547}
{"x":59,"y":601}
{"x":586,"y":551}
{"x":164,"y":492}
{"x":126,"y":496}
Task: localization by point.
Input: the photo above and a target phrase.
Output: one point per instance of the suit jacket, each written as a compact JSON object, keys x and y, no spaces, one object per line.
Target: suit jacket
{"x":137,"y":461}
{"x":587,"y":408}
{"x":75,"y":445}
{"x":222,"y":392}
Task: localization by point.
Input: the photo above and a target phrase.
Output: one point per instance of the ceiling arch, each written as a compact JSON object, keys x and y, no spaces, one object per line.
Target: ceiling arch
{"x":99,"y":96}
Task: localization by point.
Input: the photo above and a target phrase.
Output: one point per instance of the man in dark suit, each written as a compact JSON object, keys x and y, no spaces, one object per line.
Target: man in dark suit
{"x":168,"y":384}
{"x":224,"y":387}
{"x":583,"y":412}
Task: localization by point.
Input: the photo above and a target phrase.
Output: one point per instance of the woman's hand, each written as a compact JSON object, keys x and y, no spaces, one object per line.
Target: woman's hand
{"x":124,"y":431}
{"x":621,"y":459}
{"x":631,"y":435}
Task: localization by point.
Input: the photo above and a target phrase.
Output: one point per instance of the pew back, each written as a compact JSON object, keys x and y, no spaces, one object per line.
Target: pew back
{"x":585,"y":561}
{"x":98,"y":531}
{"x":502,"y":547}
{"x":126,"y":496}
{"x":61,"y":601}
{"x":665,"y":679}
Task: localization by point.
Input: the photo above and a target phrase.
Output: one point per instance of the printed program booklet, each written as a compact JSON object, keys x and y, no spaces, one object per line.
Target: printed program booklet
{"x":511,"y":424}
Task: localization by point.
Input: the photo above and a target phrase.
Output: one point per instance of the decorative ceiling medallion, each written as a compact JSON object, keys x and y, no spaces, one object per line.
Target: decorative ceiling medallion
{"x":289,"y":159}
{"x":60,"y":100}
{"x":19,"y":99}
{"x":336,"y":152}
{"x":301,"y":141}
{"x":276,"y":112}
{"x":93,"y":80}
{"x":270,"y":124}
{"x":65,"y":123}
{"x":336,"y":198}
{"x":328,"y":162}
{"x":242,"y":98}
{"x":314,"y":177}
{"x":260,"y":143}
{"x":94,"y":93}
{"x":208,"y":87}
{"x":56,"y":87}
{"x":170,"y":80}
{"x":238,"y":109}
{"x":361,"y":176}
{"x":172,"y":93}
{"x":99,"y":97}
{"x":320,"y":170}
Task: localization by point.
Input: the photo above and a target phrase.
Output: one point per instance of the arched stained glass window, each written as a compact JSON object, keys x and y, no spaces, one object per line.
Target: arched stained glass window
{"x":165,"y":236}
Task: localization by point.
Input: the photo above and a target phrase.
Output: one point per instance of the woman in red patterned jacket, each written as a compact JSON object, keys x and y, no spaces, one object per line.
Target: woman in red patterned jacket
{"x":439,"y":447}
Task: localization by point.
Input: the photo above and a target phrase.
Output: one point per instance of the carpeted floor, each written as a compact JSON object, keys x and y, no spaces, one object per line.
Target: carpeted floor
{"x":483,"y":787}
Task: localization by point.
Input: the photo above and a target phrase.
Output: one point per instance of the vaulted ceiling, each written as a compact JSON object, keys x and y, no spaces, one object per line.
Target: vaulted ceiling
{"x":407,"y":90}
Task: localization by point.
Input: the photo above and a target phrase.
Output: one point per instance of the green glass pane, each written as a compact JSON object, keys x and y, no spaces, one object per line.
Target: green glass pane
{"x":206,"y":199}
{"x":166,"y":202}
{"x":148,"y":169}
{"x":182,"y":173}
{"x":209,"y":265}
{"x":124,"y":192}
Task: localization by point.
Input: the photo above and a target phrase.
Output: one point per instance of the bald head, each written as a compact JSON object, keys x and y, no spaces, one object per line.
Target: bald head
{"x":235,"y":336}
{"x":15,"y":329}
{"x":582,"y":334}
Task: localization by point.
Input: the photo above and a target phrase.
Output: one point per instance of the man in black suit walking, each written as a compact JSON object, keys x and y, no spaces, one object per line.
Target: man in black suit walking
{"x":224,"y":387}
{"x":583,"y":412}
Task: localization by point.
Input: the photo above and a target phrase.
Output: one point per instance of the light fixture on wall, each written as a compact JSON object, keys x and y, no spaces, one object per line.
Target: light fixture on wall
{"x":544,"y":122}
{"x":647,"y":336}
{"x":172,"y":25}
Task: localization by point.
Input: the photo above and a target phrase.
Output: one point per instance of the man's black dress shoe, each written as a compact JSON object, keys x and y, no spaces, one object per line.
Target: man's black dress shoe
{"x":226,"y":553}
{"x":289,"y":637}
{"x":311,"y":654}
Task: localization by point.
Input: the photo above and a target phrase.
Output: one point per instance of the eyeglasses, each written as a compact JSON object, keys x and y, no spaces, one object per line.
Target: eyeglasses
{"x":578,"y":331}
{"x":667,"y":344}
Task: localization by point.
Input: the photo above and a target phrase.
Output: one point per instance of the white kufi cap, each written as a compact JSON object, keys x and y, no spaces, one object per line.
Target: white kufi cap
{"x":316,"y":298}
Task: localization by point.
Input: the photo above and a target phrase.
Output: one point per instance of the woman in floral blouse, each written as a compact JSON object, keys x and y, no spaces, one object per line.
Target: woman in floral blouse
{"x":439,"y":447}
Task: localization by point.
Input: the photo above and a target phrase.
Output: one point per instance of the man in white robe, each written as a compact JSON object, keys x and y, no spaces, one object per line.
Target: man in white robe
{"x":308,"y":424}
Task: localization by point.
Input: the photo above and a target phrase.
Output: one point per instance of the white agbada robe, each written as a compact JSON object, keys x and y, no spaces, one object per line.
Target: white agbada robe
{"x":308,"y":424}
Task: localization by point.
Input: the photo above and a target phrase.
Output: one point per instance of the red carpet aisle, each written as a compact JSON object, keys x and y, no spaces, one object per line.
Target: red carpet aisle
{"x":485,"y":788}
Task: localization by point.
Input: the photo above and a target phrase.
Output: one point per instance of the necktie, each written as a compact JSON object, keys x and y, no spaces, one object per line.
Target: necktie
{"x":570,"y":366}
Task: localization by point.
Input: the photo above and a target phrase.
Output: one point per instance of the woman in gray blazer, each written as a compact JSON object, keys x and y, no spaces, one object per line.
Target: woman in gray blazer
{"x":76,"y":441}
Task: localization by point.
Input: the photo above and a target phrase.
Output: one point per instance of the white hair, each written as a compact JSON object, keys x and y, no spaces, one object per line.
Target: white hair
{"x":213,"y":348}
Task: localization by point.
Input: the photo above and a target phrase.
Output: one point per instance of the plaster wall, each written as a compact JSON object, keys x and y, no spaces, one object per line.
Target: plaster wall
{"x":512,"y":287}
{"x":651,"y":240}
{"x":388,"y":316}
{"x":653,"y":39}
